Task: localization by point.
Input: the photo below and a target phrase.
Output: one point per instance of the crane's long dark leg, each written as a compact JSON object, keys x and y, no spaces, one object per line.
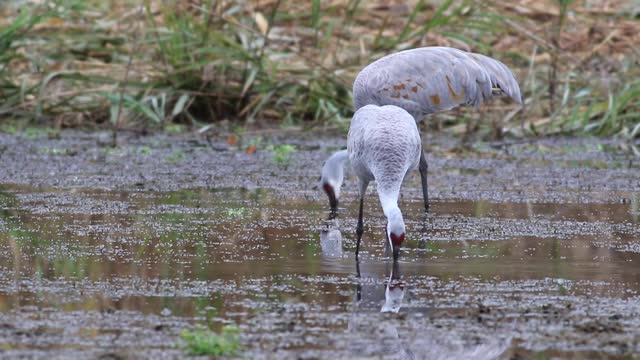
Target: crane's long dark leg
{"x":423,"y":175}
{"x":359,"y":284}
{"x":360,"y":227}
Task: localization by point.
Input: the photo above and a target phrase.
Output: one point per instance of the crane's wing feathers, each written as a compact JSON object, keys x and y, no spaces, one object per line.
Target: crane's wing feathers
{"x":432,"y":79}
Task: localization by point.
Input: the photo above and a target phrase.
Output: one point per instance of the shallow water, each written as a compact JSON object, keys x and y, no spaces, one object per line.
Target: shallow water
{"x":287,"y":275}
{"x":89,"y":270}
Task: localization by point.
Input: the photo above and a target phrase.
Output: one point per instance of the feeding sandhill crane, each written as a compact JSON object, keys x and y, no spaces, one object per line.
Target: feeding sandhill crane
{"x":383,"y":145}
{"x":428,"y":80}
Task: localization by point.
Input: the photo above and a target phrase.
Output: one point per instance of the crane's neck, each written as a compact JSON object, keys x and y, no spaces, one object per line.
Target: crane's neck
{"x":389,"y":202}
{"x":338,"y":158}
{"x":395,"y":222}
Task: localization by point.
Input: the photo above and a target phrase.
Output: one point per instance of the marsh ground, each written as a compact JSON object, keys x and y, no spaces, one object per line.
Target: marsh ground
{"x":530,"y":249}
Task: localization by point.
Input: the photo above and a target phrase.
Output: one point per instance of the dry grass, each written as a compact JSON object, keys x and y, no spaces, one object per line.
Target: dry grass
{"x":139,"y":64}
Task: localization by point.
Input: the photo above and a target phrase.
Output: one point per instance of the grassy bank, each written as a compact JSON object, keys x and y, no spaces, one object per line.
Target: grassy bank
{"x":224,"y":66}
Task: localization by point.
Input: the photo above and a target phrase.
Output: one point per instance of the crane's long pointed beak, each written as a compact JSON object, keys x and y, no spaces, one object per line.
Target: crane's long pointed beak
{"x":333,"y":201}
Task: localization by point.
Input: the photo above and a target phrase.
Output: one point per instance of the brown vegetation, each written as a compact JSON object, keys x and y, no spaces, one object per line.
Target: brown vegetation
{"x":154,"y":63}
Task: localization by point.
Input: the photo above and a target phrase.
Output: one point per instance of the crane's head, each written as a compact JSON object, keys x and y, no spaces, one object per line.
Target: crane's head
{"x":332,"y":177}
{"x":395,"y":231}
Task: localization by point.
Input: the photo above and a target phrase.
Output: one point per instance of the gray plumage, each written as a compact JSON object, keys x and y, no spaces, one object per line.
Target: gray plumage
{"x":415,"y":82}
{"x":384,"y":145}
{"x":431,"y":79}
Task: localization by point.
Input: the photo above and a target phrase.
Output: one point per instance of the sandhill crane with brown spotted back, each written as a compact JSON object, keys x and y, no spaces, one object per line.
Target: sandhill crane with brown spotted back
{"x":424,"y":81}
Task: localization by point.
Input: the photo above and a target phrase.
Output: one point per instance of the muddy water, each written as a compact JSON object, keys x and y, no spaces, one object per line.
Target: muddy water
{"x":539,"y":268}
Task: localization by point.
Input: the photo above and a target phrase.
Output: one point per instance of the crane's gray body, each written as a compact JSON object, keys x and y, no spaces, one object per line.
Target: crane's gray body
{"x":390,"y":95}
{"x":432,"y":79}
{"x":383,"y":144}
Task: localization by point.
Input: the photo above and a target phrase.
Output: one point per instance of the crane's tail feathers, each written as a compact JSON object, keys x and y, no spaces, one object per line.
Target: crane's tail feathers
{"x":432,"y":79}
{"x":502,"y":80}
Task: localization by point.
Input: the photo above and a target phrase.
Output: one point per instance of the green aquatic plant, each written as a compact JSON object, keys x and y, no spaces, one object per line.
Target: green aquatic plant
{"x":33,"y":133}
{"x":236,"y":212}
{"x":282,"y":154}
{"x":175,"y":128}
{"x":145,"y":150}
{"x":203,"y":341}
{"x":176,"y":157}
{"x":53,"y":151}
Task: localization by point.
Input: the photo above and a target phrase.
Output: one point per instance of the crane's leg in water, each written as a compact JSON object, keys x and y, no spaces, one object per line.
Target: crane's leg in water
{"x":359,"y":285}
{"x":360,"y":227}
{"x":423,"y":175}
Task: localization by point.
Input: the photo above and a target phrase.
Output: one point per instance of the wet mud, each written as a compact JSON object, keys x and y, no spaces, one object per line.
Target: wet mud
{"x":530,"y":250}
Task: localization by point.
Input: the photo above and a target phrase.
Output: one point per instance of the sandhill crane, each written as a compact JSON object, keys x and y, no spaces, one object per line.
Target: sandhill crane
{"x":383,"y":145}
{"x":428,"y":80}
